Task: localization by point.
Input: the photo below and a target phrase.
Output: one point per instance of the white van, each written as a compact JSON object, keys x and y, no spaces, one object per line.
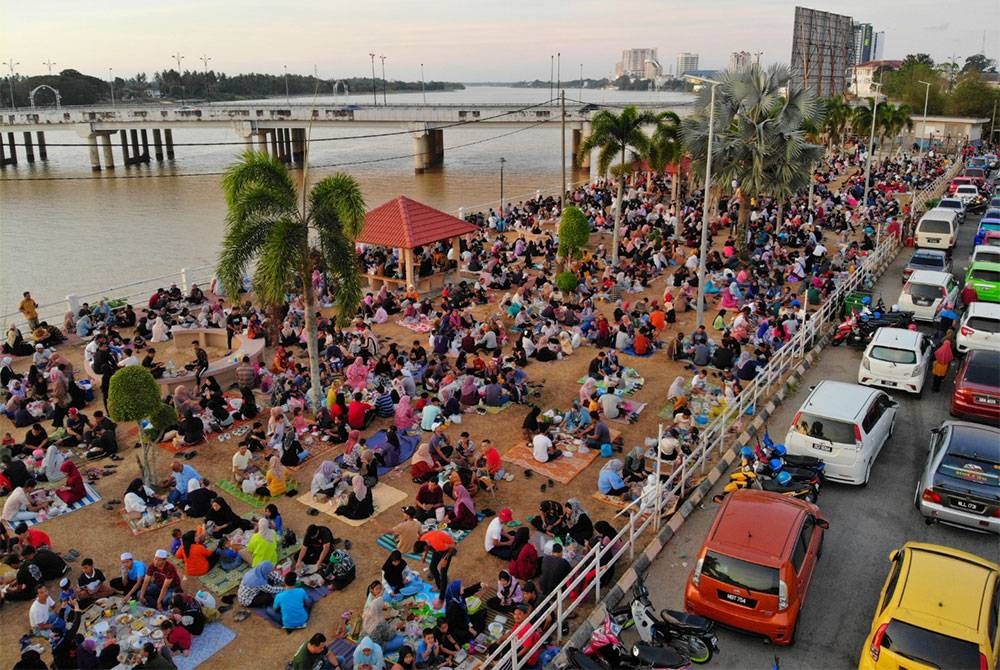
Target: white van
{"x":896,"y":358}
{"x":844,"y":424}
{"x":937,"y":229}
{"x":979,"y":327}
{"x":925,"y":293}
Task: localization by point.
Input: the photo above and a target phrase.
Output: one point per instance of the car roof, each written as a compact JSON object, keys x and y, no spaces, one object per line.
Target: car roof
{"x":899,"y":336}
{"x":940,"y":585}
{"x":921,"y":254}
{"x":957,"y":201}
{"x":757,"y":525}
{"x":988,"y":309}
{"x":930,"y":277}
{"x":848,"y":399}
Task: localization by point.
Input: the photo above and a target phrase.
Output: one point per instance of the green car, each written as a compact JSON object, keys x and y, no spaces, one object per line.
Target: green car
{"x":985,"y":278}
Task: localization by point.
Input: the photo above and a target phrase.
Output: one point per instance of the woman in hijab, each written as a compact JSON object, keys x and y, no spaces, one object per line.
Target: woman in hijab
{"x":224,"y":519}
{"x":391,"y":453}
{"x":587,"y":390}
{"x":943,"y":356}
{"x":577,"y":522}
{"x":276,"y":479}
{"x":635,"y":466}
{"x":524,"y":565}
{"x":422,"y":466}
{"x":509,"y":594}
{"x":404,"y":418}
{"x":575,"y":419}
{"x":352,"y":450}
{"x":462,"y":626}
{"x":357,"y":375}
{"x":198,"y":500}
{"x":137,"y":499}
{"x":676,"y":388}
{"x":469,"y":394}
{"x":325,"y":480}
{"x":259,"y":586}
{"x":394,"y":572}
{"x":263,"y":546}
{"x":462,"y":516}
{"x":368,"y":467}
{"x":359,"y":504}
{"x":368,"y":655}
{"x":609,"y":480}
{"x":52,"y":464}
{"x":380,"y":629}
{"x":160,"y":332}
{"x":74,"y":489}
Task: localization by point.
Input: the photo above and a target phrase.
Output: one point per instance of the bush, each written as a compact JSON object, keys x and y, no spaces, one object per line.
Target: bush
{"x":574,"y":232}
{"x":567,"y":281}
{"x":133,"y":394}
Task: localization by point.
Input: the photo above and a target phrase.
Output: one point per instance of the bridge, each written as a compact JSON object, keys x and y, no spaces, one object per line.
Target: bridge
{"x":279,"y":129}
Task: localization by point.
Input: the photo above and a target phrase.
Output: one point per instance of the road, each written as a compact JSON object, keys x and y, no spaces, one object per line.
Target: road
{"x":865,"y":523}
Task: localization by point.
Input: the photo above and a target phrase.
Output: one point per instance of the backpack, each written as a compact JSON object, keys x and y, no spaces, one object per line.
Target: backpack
{"x":288,"y":539}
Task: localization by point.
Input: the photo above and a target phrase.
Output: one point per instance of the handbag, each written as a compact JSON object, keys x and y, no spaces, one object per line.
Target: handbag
{"x":940,"y":369}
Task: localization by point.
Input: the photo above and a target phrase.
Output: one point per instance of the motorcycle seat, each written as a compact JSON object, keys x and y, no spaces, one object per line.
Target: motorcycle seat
{"x":580,"y":661}
{"x":771,"y":485}
{"x":685,"y":621}
{"x":660,"y":657}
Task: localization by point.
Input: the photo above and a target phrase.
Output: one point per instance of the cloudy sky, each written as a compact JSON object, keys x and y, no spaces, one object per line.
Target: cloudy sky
{"x":463,"y":40}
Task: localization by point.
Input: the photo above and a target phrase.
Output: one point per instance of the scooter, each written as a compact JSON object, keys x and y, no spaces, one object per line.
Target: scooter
{"x":690,"y":635}
{"x":783,"y":485}
{"x":772,"y":450}
{"x":606,"y":649}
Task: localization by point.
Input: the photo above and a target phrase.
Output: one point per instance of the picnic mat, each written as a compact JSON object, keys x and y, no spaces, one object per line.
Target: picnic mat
{"x":317,"y":448}
{"x":629,"y":351}
{"x":89,"y":499}
{"x":628,"y":408}
{"x":618,"y":503}
{"x":563,"y":469}
{"x":139,"y":529}
{"x":213,"y":638}
{"x":627,"y":385}
{"x":496,"y":410}
{"x":388,"y":541}
{"x":407,"y":445}
{"x":422,"y":326}
{"x":221,"y":581}
{"x":383,"y":495}
{"x":233,"y":489}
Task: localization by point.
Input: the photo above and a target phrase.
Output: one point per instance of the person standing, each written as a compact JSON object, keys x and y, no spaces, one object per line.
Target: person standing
{"x":943,"y":356}
{"x":29,"y":310}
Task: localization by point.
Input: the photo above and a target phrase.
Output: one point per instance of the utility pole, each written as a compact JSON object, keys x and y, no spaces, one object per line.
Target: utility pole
{"x":12,"y":64}
{"x":384,"y":101}
{"x":49,"y":64}
{"x":111,"y":80}
{"x":374,"y":91}
{"x":287,"y":98}
{"x":562,"y":189}
{"x":423,"y":91}
{"x":868,"y":163}
{"x":558,"y":70}
{"x":581,"y":82}
{"x":204,"y":59}
{"x":178,"y":57}
{"x":552,"y":76}
{"x":923,"y":127}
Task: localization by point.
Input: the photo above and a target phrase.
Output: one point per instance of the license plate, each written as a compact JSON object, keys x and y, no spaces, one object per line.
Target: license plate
{"x":968,"y":505}
{"x":987,"y":400}
{"x":923,"y":302}
{"x":737,"y":599}
{"x":888,"y":383}
{"x":822,"y":447}
{"x":933,"y":240}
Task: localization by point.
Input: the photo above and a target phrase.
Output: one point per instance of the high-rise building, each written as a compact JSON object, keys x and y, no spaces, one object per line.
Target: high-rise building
{"x":822,"y":50}
{"x":863,"y":43}
{"x":739,"y":59}
{"x":686,"y":62}
{"x":878,"y":45}
{"x":633,"y":63}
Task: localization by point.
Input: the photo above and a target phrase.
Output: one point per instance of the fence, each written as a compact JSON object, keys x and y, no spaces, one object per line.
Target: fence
{"x":714,"y":440}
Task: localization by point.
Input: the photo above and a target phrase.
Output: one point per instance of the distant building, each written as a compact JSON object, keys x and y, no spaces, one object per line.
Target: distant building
{"x":863,"y":75}
{"x":739,"y":60}
{"x":822,"y":50}
{"x":686,"y":62}
{"x":863,"y":42}
{"x":878,"y":45}
{"x":634,"y":63}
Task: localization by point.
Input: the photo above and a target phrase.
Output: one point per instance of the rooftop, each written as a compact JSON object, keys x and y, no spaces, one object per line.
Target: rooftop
{"x":402,"y":223}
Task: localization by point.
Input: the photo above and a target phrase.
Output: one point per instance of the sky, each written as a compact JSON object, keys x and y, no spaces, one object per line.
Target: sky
{"x":456,"y":40}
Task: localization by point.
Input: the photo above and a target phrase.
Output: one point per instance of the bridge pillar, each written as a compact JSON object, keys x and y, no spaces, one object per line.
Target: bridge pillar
{"x":286,"y":134}
{"x":3,"y":153}
{"x":168,"y":138}
{"x":298,"y":145}
{"x":109,"y":157}
{"x":157,"y":145}
{"x":136,"y":156}
{"x":126,"y":159}
{"x":145,"y":145}
{"x":273,"y":132}
{"x":579,"y":136}
{"x":12,"y":145}
{"x":262,"y":141}
{"x":43,"y":152}
{"x":95,"y":157}
{"x":438,"y":157}
{"x":29,"y":147}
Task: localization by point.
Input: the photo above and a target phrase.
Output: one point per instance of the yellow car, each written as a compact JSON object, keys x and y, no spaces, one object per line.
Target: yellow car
{"x":939,"y":609}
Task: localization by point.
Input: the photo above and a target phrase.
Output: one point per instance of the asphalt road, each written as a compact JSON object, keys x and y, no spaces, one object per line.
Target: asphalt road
{"x":865,"y":523}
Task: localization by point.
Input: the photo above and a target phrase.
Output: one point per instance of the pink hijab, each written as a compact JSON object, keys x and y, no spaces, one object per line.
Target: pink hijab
{"x":462,"y":497}
{"x":404,"y":413}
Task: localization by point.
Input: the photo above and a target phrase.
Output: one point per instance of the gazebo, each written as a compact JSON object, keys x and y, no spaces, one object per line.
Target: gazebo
{"x":405,"y":224}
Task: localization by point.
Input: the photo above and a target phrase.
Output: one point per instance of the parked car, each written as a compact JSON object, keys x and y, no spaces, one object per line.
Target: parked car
{"x":967,"y":193}
{"x":990,"y":238}
{"x":960,"y":484}
{"x":990,"y":222}
{"x":937,"y":229}
{"x":985,"y":278}
{"x":844,"y":424}
{"x":938,"y":609}
{"x":754,"y":569}
{"x":927,"y":259}
{"x":986,"y":253}
{"x":925,"y":293}
{"x":955,"y":204}
{"x":979,"y":328}
{"x":956,"y":182}
{"x":995,"y":201}
{"x":977,"y":387}
{"x":991,"y":161}
{"x":897,"y":358}
{"x":976,"y":174}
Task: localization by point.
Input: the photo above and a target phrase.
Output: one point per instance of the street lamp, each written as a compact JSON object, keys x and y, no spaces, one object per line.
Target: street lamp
{"x":374,"y":91}
{"x":423,"y":91}
{"x":502,"y":161}
{"x":871,"y":149}
{"x":923,"y":127}
{"x":703,"y":251}
{"x":111,"y":80}
{"x":204,"y":59}
{"x":385,"y":103}
{"x":287,"y":101}
{"x":178,"y":57}
{"x":12,"y":64}
{"x":49,"y":64}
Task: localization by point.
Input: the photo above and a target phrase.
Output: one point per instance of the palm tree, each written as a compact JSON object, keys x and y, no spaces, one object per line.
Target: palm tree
{"x":266,"y":228}
{"x":758,"y":142}
{"x":665,"y":149}
{"x":617,"y":135}
{"x":896,"y":119}
{"x":837,"y":120}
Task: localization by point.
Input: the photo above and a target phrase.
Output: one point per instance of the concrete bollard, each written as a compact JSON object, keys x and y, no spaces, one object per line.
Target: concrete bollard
{"x":184,"y":279}
{"x":73,"y":303}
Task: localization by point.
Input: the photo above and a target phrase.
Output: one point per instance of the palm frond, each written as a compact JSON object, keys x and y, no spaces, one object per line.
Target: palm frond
{"x":258,"y":169}
{"x":240,"y":246}
{"x":342,"y":262}
{"x":336,"y":203}
{"x":281,"y":259}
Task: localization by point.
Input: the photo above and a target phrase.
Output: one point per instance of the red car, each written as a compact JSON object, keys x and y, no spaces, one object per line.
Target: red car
{"x":977,"y":387}
{"x":977,"y":175}
{"x":754,"y":568}
{"x":959,"y":181}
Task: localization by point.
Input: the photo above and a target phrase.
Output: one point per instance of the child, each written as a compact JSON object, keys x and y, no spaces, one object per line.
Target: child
{"x":427,"y":650}
{"x":175,"y":543}
{"x":176,"y":637}
{"x":448,"y":647}
{"x":229,"y":558}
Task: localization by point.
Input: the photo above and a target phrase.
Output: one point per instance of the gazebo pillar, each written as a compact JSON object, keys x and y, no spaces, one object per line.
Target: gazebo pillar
{"x":456,"y":247}
{"x":408,"y":263}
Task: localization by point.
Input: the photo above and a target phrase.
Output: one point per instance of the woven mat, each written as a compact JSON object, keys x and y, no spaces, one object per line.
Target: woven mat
{"x":204,"y":646}
{"x":233,"y":489}
{"x":314,"y":451}
{"x":139,"y":529}
{"x":221,"y":581}
{"x":627,"y":408}
{"x":564,"y":469}
{"x":384,"y":496}
{"x":92,"y":497}
{"x":496,"y":410}
{"x":422,"y":326}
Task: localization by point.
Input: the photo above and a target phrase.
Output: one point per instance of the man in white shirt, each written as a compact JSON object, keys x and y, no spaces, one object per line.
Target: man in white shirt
{"x":543,"y":450}
{"x":610,"y":404}
{"x":42,"y":615}
{"x":129,"y":359}
{"x":18,"y":506}
{"x":498,"y":542}
{"x":243,"y":463}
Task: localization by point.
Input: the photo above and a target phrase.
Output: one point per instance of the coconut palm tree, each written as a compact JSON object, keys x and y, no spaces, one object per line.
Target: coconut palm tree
{"x":268,"y":230}
{"x":616,"y":136}
{"x":758,"y":141}
{"x":837,"y":120}
{"x":665,"y":149}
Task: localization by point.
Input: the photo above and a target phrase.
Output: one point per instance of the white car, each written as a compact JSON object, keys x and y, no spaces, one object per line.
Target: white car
{"x":896,"y":358}
{"x":984,"y":252}
{"x":844,"y":424}
{"x":956,"y":204}
{"x":979,"y":328}
{"x":926,"y":292}
{"x":966,"y":193}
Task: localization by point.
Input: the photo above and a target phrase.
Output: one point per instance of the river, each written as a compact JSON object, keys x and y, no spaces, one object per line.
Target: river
{"x":66,"y":230}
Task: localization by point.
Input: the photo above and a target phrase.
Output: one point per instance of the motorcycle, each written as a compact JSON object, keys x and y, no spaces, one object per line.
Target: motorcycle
{"x":782,"y":484}
{"x":771,"y":450}
{"x":605,"y":649}
{"x":690,"y":635}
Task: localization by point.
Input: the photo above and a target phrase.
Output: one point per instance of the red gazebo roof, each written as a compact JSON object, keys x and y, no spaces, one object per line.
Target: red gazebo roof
{"x":403,"y":223}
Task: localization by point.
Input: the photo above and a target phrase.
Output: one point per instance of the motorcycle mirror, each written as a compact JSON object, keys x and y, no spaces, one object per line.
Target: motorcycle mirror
{"x":822,"y":523}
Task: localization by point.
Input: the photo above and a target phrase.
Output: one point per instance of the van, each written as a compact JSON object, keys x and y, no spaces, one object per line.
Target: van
{"x":844,"y":424}
{"x":937,"y":229}
{"x":925,"y":294}
{"x":896,"y":358}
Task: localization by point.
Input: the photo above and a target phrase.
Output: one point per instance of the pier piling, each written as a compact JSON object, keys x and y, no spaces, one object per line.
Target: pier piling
{"x":43,"y":152}
{"x":157,"y":145}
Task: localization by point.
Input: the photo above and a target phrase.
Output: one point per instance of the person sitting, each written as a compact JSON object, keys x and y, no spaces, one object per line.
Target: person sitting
{"x":74,"y":490}
{"x":263,"y":545}
{"x":325,"y":481}
{"x":407,"y":531}
{"x":497,"y":541}
{"x":360,"y":414}
{"x":422,"y":466}
{"x":224,"y":520}
{"x":462,"y":516}
{"x":259,"y":586}
{"x":359,"y":503}
{"x":276,"y":479}
{"x":542,"y":448}
{"x":524,"y":565}
{"x":550,"y":519}
{"x":198,"y":559}
{"x":290,"y":609}
{"x":196,"y":505}
{"x":610,"y":481}
{"x":635,"y":466}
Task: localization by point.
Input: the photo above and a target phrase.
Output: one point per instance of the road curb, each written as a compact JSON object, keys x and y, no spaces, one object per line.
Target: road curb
{"x":640,"y":565}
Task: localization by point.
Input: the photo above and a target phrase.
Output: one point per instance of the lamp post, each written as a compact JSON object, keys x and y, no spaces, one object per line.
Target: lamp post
{"x":871,"y":150}
{"x":204,"y":59}
{"x":923,"y":127}
{"x":49,"y":64}
{"x":178,"y":57}
{"x":111,"y":80}
{"x":374,"y":91}
{"x":385,"y":103}
{"x":12,"y":64}
{"x":581,"y":83}
{"x":502,"y":161}
{"x":287,"y":97}
{"x":423,"y":91}
{"x":703,"y":251}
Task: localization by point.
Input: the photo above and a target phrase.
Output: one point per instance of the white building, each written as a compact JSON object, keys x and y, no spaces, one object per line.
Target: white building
{"x":686,"y":62}
{"x":633,"y":63}
{"x":863,"y":75}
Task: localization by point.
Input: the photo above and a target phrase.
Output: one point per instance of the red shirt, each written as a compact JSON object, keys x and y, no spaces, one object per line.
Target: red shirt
{"x":356,"y":414}
{"x":36,"y":539}
{"x":438,"y":540}
{"x":179,"y":638}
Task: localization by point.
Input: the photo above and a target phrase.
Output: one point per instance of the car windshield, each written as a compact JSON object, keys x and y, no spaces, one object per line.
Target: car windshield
{"x":741,"y":574}
{"x":827,"y":429}
{"x":893,"y":355}
{"x":951,"y":204}
{"x":984,"y":324}
{"x":988,"y":256}
{"x":929,"y":291}
{"x":934,"y":226}
{"x":974,"y":172}
{"x":983,"y":274}
{"x":992,"y":242}
{"x":983,"y":370}
{"x":929,"y":647}
{"x":928,"y":261}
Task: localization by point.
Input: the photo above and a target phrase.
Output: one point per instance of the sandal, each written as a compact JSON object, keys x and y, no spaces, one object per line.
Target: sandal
{"x":242,"y":615}
{"x":116,"y":457}
{"x":189,"y":455}
{"x":74,"y":553}
{"x":313,"y":511}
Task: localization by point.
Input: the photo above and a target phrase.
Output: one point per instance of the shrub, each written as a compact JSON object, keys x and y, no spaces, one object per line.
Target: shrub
{"x":567,"y":281}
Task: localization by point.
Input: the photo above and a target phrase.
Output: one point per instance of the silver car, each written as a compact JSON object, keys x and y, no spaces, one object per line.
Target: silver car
{"x":960,"y":484}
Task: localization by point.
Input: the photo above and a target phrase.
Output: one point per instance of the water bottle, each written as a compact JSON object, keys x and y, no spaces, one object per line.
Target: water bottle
{"x":132,"y":606}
